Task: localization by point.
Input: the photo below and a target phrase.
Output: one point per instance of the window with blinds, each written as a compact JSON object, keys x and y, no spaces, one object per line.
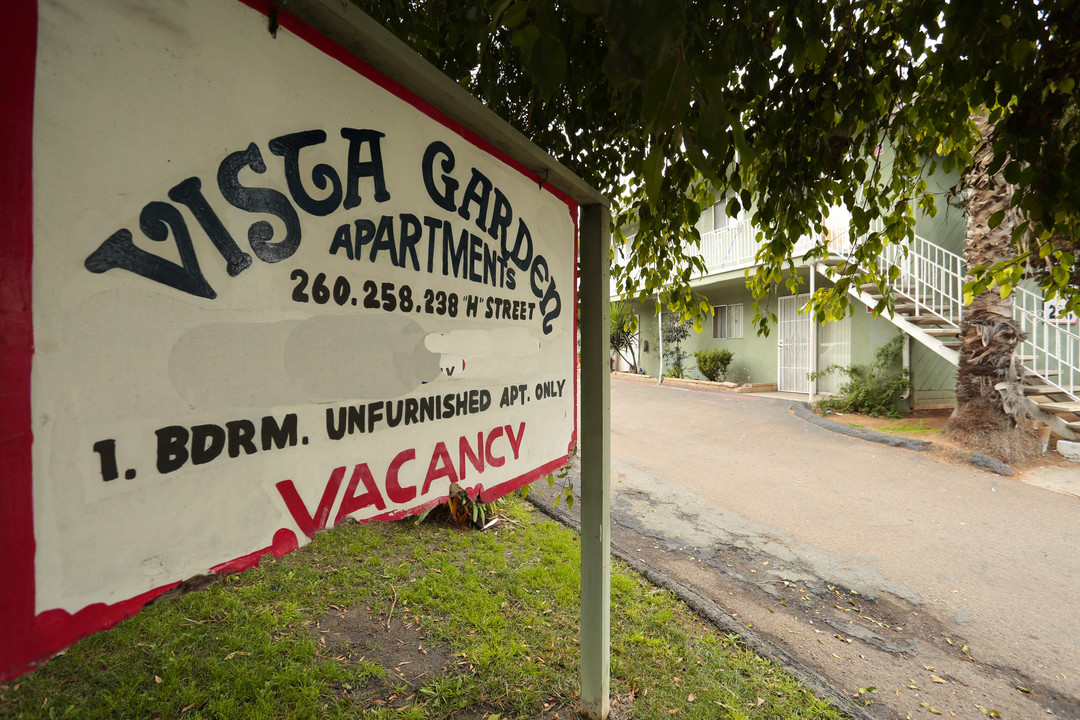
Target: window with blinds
{"x":727,"y":321}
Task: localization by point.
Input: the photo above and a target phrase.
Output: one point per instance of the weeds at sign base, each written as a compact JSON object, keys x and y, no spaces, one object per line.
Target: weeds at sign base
{"x":568,"y":487}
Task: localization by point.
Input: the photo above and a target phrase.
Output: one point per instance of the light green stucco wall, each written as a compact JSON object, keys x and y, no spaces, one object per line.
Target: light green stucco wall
{"x":868,"y":334}
{"x":946,"y":229}
{"x":755,"y":356}
{"x":933,"y":378}
{"x":649,"y":357}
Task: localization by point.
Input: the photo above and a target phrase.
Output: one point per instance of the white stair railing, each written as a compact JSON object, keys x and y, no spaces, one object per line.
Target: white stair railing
{"x":931,"y":277}
{"x":1051,"y":350}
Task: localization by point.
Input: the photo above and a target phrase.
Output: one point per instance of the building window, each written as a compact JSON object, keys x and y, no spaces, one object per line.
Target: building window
{"x":720,"y":219}
{"x":727,"y":321}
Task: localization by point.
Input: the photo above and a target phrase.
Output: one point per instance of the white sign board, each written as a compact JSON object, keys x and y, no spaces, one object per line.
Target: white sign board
{"x":271,"y":290}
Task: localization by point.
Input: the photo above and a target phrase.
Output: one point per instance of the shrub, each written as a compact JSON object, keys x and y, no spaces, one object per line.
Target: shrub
{"x":713,"y":363}
{"x":870,"y":390}
{"x":674,"y":331}
{"x":623,"y":335}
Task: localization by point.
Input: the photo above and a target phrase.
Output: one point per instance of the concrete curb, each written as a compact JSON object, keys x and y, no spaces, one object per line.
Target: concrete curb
{"x":802,"y":410}
{"x":983,"y":462}
{"x":711,"y":612}
{"x":691,"y":384}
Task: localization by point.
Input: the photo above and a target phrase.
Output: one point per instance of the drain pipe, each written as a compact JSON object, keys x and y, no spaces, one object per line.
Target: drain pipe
{"x":906,"y":360}
{"x":811,"y":388}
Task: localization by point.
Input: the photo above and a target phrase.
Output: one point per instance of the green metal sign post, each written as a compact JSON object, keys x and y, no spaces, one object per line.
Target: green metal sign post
{"x":595,"y":463}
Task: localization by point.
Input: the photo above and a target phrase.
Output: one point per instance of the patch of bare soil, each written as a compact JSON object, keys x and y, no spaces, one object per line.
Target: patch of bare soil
{"x":927,"y":425}
{"x":397,"y":644}
{"x":409,"y":658}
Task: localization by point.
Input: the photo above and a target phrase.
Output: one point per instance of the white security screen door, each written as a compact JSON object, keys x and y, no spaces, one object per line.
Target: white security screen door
{"x":793,"y":346}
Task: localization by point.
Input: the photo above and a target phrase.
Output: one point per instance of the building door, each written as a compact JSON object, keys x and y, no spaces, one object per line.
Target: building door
{"x":793,"y":346}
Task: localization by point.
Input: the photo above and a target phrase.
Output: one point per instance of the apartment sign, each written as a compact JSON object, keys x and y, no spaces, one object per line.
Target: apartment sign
{"x":271,"y":290}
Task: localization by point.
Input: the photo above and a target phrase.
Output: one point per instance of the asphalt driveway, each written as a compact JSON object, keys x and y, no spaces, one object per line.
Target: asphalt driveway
{"x":942,"y":586}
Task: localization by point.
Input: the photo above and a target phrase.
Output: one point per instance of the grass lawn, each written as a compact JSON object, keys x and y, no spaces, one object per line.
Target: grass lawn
{"x":402,"y":621}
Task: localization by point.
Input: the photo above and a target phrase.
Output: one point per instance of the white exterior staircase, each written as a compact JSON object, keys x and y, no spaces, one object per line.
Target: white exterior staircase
{"x":928,"y":295}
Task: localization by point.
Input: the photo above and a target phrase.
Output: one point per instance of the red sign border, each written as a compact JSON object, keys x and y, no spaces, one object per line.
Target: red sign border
{"x":17,"y":336}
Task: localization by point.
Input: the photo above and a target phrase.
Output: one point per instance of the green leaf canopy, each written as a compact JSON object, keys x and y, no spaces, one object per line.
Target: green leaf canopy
{"x":784,"y":108}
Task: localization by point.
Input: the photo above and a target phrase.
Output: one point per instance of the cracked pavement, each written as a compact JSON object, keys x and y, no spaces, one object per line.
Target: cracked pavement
{"x":945,"y":588}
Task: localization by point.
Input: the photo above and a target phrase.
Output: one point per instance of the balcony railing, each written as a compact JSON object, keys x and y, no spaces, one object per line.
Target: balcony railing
{"x":735,"y":247}
{"x":729,"y":248}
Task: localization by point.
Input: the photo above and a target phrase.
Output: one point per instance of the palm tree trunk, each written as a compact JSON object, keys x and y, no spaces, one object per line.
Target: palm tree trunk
{"x":990,"y":406}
